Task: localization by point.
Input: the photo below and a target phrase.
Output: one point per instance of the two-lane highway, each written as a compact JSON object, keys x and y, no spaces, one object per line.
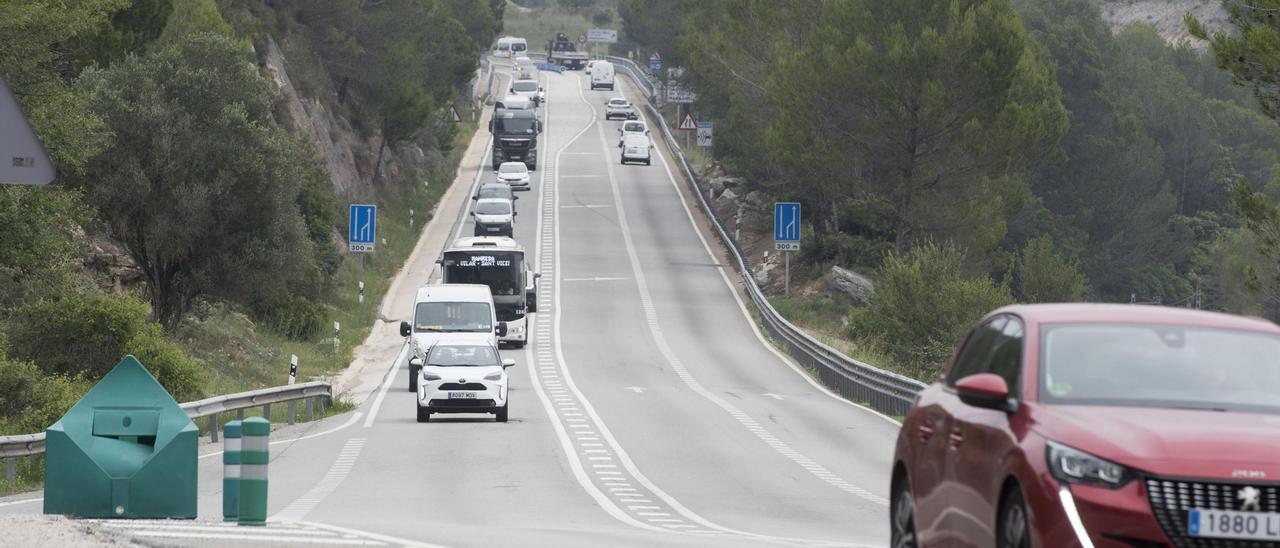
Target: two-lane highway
{"x":647,"y":410}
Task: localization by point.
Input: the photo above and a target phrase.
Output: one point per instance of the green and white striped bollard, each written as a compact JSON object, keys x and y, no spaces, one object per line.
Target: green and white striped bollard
{"x":231,"y":471}
{"x":254,"y":453}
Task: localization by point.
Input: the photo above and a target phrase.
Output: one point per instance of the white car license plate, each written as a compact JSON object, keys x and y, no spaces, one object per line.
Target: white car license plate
{"x":1233,"y":524}
{"x":462,"y":395}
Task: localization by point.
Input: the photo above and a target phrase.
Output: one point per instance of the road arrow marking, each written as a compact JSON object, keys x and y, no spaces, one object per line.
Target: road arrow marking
{"x":770,"y":395}
{"x":635,"y":389}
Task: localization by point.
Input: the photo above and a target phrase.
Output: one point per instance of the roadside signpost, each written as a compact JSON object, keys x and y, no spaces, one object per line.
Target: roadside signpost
{"x":705,"y":134}
{"x":23,"y":160}
{"x":362,"y":232}
{"x":687,"y":125}
{"x":786,"y":236}
{"x":603,"y":36}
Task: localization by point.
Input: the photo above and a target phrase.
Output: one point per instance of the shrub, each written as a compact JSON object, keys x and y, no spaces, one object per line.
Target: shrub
{"x":84,"y":336}
{"x":293,"y":316}
{"x":924,"y":304}
{"x":31,"y":400}
{"x":1044,"y":276}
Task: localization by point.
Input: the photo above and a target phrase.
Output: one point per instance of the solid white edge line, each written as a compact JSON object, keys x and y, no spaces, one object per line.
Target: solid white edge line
{"x":746,"y":314}
{"x":23,"y":501}
{"x":386,"y":385}
{"x":257,"y":537}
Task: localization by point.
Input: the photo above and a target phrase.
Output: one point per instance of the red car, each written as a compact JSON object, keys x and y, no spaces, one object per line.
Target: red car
{"x":1099,"y":426}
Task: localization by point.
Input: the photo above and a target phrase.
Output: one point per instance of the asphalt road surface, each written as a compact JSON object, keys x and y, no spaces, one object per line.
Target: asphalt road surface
{"x":646,"y":411}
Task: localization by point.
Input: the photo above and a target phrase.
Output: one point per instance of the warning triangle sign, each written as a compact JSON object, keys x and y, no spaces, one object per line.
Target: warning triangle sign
{"x":22,"y":160}
{"x":453,"y":114}
{"x":688,"y":123}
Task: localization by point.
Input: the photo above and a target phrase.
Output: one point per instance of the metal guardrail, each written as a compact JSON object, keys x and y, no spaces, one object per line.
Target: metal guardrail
{"x":884,"y":391}
{"x":316,"y":394}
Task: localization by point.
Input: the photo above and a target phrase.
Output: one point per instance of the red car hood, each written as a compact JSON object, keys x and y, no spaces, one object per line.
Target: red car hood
{"x":1170,"y":442}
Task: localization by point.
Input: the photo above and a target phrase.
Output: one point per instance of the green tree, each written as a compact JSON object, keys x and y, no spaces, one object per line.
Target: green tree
{"x":1260,"y":215}
{"x":36,"y":251}
{"x":1045,"y":276}
{"x":194,"y":16}
{"x":924,"y":304}
{"x":936,"y":110}
{"x":198,"y":185}
{"x":1251,"y":55}
{"x":37,"y":69}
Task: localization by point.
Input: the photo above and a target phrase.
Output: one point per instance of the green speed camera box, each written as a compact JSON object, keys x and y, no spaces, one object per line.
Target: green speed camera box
{"x":125,"y":450}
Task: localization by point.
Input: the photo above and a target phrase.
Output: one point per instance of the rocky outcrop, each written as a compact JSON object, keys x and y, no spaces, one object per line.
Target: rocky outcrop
{"x":851,"y":284}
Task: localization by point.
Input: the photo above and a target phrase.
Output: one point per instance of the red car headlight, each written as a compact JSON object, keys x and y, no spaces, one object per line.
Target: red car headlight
{"x":1074,"y":466}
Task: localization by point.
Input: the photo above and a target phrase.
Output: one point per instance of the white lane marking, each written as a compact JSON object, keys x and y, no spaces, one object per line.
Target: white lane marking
{"x":595,"y":279}
{"x":742,"y":306}
{"x":256,"y":538}
{"x":636,"y":389}
{"x":562,"y":433}
{"x":772,"y":395}
{"x":386,"y":384}
{"x":579,"y":177}
{"x":271,"y":528}
{"x":376,"y":536}
{"x":350,"y":421}
{"x":475,"y":185}
{"x":23,"y":501}
{"x":677,"y":366}
{"x":299,"y":508}
{"x":622,"y":455}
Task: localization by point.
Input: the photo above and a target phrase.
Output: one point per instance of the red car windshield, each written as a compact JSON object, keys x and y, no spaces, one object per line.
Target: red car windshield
{"x":1160,"y":366}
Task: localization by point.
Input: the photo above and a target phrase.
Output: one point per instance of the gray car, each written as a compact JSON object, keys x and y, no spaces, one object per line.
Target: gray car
{"x":494,"y":217}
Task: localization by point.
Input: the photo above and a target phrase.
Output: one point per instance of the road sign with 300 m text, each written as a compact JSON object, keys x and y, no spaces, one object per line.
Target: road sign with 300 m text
{"x":786,"y":226}
{"x":362,"y":229}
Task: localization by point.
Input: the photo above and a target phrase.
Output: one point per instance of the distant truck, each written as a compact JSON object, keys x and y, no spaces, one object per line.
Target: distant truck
{"x":498,"y":262}
{"x":515,"y":137}
{"x":562,"y":51}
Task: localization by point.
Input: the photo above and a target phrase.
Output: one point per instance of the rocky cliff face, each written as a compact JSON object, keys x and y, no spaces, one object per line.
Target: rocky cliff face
{"x":1166,"y":17}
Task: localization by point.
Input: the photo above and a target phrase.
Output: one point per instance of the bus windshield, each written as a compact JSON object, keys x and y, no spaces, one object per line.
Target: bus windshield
{"x":452,"y":317}
{"x":502,"y":271}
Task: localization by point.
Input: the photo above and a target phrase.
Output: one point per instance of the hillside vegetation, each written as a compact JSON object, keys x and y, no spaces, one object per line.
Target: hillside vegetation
{"x":971,"y":153}
{"x":206,"y":151}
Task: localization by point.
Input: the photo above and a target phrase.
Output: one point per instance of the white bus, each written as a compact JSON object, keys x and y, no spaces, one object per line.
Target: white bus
{"x":498,"y":262}
{"x":511,"y":47}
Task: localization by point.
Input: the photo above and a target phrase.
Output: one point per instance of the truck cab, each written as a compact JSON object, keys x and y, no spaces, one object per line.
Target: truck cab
{"x":515,"y":137}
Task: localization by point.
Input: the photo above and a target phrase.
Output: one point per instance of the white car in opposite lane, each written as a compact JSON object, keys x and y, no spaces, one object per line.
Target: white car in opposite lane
{"x":515,"y":174}
{"x":463,"y":375}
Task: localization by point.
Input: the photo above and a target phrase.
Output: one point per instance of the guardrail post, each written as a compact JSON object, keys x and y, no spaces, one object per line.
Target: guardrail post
{"x":266,"y":411}
{"x":240,"y":414}
{"x":11,"y":468}
{"x":213,"y":428}
{"x":311,"y":409}
{"x":289,"y":411}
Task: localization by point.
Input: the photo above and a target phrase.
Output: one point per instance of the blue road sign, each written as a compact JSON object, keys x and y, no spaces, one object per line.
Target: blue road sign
{"x":786,"y":226}
{"x":362,"y":230}
{"x":655,"y":65}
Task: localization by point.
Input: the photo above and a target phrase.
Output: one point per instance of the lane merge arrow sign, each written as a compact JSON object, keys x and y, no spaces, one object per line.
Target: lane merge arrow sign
{"x":688,"y":123}
{"x":23,"y":160}
{"x":362,"y":231}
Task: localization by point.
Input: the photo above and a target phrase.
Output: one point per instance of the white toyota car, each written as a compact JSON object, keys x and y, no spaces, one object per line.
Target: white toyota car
{"x":463,"y":375}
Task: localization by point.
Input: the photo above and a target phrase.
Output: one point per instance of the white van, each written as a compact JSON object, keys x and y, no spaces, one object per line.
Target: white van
{"x":635,"y":148}
{"x":445,"y":311}
{"x":602,"y":75}
{"x":511,"y":47}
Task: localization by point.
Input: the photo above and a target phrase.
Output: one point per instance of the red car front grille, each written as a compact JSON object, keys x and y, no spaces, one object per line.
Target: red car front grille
{"x":1172,"y":500}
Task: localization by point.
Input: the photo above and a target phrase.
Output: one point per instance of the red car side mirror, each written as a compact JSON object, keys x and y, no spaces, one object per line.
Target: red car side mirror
{"x":986,"y":390}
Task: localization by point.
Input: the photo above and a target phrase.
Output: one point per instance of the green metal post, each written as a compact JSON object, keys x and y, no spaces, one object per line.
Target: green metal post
{"x":231,"y":471}
{"x":254,"y":455}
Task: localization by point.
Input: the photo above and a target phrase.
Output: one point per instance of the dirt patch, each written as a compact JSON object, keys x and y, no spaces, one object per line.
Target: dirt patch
{"x":1166,"y":16}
